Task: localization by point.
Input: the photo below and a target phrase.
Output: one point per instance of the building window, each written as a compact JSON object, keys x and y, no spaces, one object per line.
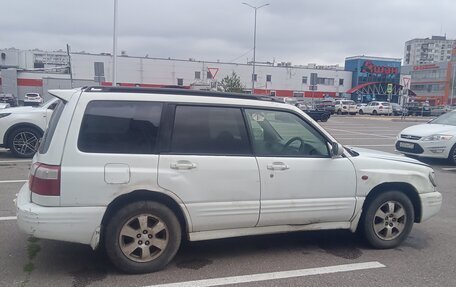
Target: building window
{"x":273,"y":93}
{"x":298,"y":94}
{"x":255,"y":77}
{"x":341,"y":82}
{"x":99,"y":72}
{"x":325,"y":81}
{"x":197,"y":75}
{"x":209,"y":75}
{"x":304,"y":79}
{"x":180,"y":82}
{"x":268,"y":78}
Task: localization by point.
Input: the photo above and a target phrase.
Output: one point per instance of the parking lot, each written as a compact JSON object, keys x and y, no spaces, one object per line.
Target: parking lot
{"x":325,"y":258}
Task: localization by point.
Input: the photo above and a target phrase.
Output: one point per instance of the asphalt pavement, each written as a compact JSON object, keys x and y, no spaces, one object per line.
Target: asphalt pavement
{"x":324,"y":258}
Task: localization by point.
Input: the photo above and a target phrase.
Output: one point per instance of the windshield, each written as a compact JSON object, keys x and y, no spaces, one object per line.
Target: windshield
{"x":445,"y":119}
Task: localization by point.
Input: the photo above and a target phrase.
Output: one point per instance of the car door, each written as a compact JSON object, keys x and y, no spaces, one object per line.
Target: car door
{"x":300,"y":182}
{"x":209,"y":165}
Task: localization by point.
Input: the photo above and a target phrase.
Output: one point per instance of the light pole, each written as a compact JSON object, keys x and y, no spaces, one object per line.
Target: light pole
{"x":452,"y":84}
{"x":254,"y":40}
{"x":114,"y":47}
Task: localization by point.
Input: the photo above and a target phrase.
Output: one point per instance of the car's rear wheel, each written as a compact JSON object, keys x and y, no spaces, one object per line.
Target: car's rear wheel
{"x":339,"y":111}
{"x":23,"y":142}
{"x":361,"y":112}
{"x":388,"y":219}
{"x":374,"y":112}
{"x":452,"y":156}
{"x":142,"y":237}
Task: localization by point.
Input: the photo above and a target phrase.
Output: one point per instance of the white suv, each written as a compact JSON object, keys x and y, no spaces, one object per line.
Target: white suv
{"x":21,"y":128}
{"x":141,"y":168}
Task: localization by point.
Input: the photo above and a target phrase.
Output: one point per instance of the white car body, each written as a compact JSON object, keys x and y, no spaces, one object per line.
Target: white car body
{"x":218,"y":196}
{"x":377,"y":108}
{"x":32,"y":99}
{"x":417,"y":140}
{"x":4,"y":105}
{"x":346,"y":107}
{"x":15,"y":117}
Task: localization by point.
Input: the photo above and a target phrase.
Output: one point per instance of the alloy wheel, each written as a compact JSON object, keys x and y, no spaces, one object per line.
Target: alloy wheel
{"x":25,"y":143}
{"x":143,"y":238}
{"x":389,"y":220}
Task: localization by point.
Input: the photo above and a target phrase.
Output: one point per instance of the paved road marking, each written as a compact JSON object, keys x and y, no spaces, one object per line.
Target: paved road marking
{"x":361,"y":145}
{"x":16,"y":161}
{"x":13,"y":181}
{"x":366,"y":134}
{"x":449,"y":168}
{"x":377,"y":139}
{"x":6,"y":218}
{"x":274,"y":275}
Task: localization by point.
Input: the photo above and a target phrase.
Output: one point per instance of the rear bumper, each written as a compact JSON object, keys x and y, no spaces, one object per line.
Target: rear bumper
{"x":430,"y":204}
{"x":71,"y":224}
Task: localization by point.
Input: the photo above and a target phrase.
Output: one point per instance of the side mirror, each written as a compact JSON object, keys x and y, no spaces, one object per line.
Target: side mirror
{"x":337,"y":149}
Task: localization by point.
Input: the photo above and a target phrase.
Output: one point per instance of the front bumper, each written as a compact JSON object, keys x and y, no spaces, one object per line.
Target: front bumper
{"x":430,"y":204}
{"x":72,"y":224}
{"x":434,"y":149}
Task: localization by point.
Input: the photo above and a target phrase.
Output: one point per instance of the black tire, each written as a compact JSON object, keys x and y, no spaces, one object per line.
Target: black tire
{"x":374,"y":112}
{"x":21,"y":142}
{"x":127,"y":214}
{"x":402,"y":202}
{"x":339,"y":111}
{"x":324,"y":118}
{"x":452,"y":155}
{"x":361,"y":112}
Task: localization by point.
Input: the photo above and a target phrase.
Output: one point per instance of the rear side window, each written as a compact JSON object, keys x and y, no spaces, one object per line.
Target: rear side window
{"x":120,"y":127}
{"x":47,"y":138}
{"x":209,"y":130}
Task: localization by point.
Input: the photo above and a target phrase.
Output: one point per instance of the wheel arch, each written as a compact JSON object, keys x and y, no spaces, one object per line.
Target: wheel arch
{"x":403,"y":187}
{"x":141,"y":195}
{"x":20,"y":125}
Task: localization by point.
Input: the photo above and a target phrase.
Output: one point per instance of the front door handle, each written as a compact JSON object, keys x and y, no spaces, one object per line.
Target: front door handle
{"x":183,"y":164}
{"x":278,"y":166}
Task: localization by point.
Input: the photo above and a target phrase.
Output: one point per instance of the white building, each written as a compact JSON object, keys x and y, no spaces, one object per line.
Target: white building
{"x":281,"y":79}
{"x":428,"y":51}
{"x":38,"y":71}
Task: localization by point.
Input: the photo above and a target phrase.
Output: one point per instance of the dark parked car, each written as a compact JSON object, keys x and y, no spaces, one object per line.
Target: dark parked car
{"x":8,"y":98}
{"x":325,"y":105}
{"x":316,"y":114}
{"x":418,"y":109}
{"x":398,"y":110}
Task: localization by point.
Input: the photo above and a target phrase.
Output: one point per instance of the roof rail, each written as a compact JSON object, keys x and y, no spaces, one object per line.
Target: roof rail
{"x":177,"y":91}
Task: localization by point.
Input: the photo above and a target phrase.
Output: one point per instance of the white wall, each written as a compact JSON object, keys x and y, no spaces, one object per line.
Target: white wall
{"x":166,"y":72}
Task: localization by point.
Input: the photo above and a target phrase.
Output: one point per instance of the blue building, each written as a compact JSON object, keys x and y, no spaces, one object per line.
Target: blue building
{"x":374,"y":78}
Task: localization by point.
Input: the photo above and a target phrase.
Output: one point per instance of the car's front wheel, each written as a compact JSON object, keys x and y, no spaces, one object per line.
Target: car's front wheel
{"x":452,"y":156}
{"x":388,"y":219}
{"x":142,"y":237}
{"x":23,"y":142}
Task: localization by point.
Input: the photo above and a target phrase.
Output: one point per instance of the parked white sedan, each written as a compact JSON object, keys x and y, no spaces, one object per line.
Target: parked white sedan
{"x":436,"y":138}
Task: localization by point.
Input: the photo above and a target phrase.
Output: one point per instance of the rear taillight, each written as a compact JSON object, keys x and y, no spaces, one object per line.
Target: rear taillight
{"x":45,"y":179}
{"x":381,"y":107}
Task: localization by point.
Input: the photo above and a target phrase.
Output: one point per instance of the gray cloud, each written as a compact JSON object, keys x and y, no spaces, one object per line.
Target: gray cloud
{"x":322,"y":31}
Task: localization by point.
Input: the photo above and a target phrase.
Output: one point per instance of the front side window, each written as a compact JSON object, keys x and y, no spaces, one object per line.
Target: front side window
{"x":128,"y":127}
{"x":209,"y":130}
{"x":278,"y":133}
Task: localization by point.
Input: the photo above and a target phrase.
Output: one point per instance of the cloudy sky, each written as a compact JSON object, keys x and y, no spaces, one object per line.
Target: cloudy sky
{"x":297,"y":31}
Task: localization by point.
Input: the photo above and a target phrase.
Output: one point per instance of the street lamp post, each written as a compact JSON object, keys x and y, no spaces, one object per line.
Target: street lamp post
{"x":114,"y":47}
{"x":452,"y":84}
{"x":254,"y":40}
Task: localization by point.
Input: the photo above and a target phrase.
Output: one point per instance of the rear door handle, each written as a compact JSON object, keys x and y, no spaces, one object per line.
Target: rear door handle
{"x":183,"y":164}
{"x":278,"y":166}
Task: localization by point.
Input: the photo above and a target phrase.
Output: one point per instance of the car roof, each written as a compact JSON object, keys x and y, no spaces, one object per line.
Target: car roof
{"x":177,"y":91}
